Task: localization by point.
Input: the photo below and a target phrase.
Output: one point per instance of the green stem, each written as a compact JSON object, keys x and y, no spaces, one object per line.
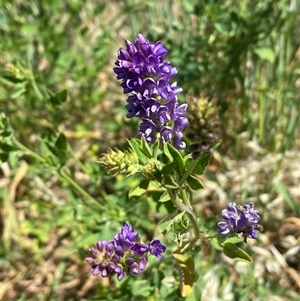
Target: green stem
{"x":193,"y":219}
{"x":79,"y":189}
{"x":36,"y":89}
{"x":185,"y":198}
{"x":182,"y":207}
{"x":188,"y":172}
{"x":27,"y":150}
{"x":80,"y":164}
{"x":60,"y":172}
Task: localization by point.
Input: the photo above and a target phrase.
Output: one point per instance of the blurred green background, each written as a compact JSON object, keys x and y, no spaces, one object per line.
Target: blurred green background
{"x":65,"y":108}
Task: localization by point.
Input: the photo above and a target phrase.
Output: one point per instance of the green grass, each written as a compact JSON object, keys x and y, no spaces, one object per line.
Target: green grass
{"x":65,"y":108}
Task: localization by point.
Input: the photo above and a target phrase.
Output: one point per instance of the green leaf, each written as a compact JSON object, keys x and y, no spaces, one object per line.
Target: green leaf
{"x":3,"y":157}
{"x":136,"y":146}
{"x":187,"y":272}
{"x":166,"y":225}
{"x":209,"y":222}
{"x":216,"y":245}
{"x":234,"y":252}
{"x":286,"y":195}
{"x":202,"y":162}
{"x":61,"y":146}
{"x":177,"y":159}
{"x":265,"y":54}
{"x":189,"y":6}
{"x":164,"y":197}
{"x":169,"y":182}
{"x":49,"y":152}
{"x":145,"y":148}
{"x":3,"y":121}
{"x":195,"y":295}
{"x":140,"y":189}
{"x":155,"y":195}
{"x":154,"y":148}
{"x":141,"y":288}
{"x":5,"y":127}
{"x":59,"y":97}
{"x":61,"y":142}
{"x":30,"y":29}
{"x":18,"y":92}
{"x":167,"y":152}
{"x":51,"y":147}
{"x":167,"y":169}
{"x":232,"y":239}
{"x":14,"y":79}
{"x":194,"y":183}
{"x":6,"y":147}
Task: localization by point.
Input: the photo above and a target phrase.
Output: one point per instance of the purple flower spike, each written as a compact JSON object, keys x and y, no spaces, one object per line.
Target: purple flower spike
{"x":242,"y":221}
{"x":122,"y":256}
{"x":145,"y":75}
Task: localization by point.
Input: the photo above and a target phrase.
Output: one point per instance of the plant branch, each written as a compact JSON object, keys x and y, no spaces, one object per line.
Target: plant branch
{"x":182,"y":207}
{"x":188,"y":172}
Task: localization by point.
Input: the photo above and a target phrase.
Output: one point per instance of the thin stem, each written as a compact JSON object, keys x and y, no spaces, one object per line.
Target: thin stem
{"x":80,"y":164}
{"x":27,"y":150}
{"x":36,"y":89}
{"x":182,"y":207}
{"x":192,"y":217}
{"x":79,"y":189}
{"x":176,"y":201}
{"x":188,"y":172}
{"x":185,"y":198}
{"x":60,"y":172}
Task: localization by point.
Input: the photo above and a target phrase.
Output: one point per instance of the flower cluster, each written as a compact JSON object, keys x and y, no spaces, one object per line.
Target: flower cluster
{"x":145,"y":76}
{"x":240,"y":220}
{"x":125,"y":254}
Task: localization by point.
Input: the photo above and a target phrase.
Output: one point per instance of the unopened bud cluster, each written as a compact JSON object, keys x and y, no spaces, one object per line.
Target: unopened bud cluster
{"x":152,"y":169}
{"x":118,"y":162}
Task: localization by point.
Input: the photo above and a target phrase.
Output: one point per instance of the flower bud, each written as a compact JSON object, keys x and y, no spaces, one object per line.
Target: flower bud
{"x":118,"y":162}
{"x":152,"y":169}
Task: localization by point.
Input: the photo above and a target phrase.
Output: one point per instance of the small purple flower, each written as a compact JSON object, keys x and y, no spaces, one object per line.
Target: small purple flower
{"x":240,"y":220}
{"x":124,"y":255}
{"x":231,"y":216}
{"x":145,"y":75}
{"x":156,"y":248}
{"x":139,"y":249}
{"x":126,"y":238}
